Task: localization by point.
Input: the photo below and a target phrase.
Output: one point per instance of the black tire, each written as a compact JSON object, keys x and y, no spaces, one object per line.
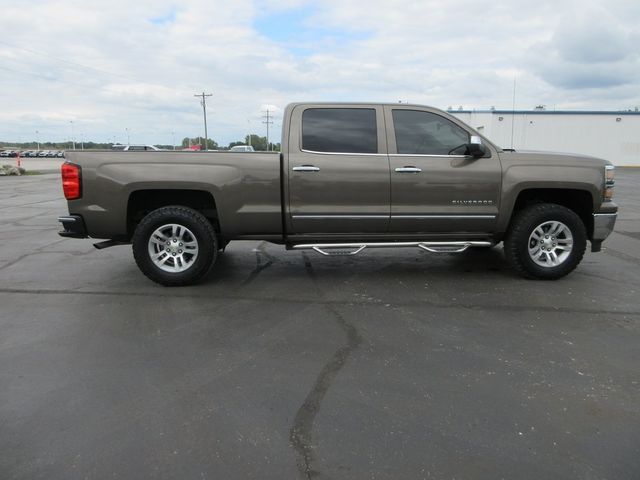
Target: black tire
{"x":518,"y":238}
{"x":197,"y":227}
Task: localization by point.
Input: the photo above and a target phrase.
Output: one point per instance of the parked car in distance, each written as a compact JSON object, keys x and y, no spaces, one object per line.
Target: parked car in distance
{"x":51,"y":154}
{"x":43,"y":153}
{"x":135,"y":148}
{"x":242,"y":148}
{"x":351,"y":176}
{"x":60,"y":154}
{"x":6,"y":153}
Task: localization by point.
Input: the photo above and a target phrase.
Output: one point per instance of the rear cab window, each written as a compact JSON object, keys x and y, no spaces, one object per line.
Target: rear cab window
{"x":340,"y":130}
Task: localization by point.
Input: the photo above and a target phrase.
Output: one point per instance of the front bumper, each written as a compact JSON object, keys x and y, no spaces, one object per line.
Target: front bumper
{"x":73,"y":227}
{"x":603,"y":224}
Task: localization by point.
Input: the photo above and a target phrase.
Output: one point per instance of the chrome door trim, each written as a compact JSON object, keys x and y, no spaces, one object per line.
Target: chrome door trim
{"x":408,"y":170}
{"x":333,"y":217}
{"x":447,"y":217}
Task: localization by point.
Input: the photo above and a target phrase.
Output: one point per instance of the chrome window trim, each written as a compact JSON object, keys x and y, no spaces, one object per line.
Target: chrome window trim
{"x":426,"y":155}
{"x":343,"y":153}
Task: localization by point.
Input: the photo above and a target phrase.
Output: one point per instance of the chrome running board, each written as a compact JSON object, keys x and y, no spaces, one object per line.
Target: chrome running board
{"x":336,"y":249}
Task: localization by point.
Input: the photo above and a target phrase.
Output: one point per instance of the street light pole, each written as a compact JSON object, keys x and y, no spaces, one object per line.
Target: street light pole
{"x":38,"y":139}
{"x":128,"y":138}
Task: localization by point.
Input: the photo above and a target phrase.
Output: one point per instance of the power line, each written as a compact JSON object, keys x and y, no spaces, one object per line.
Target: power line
{"x":268,"y":121}
{"x":203,"y":102}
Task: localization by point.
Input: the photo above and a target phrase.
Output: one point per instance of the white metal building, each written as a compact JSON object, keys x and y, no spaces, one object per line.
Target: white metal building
{"x":614,"y":136}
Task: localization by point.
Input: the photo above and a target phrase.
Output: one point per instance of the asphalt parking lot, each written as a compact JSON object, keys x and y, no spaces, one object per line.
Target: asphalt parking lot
{"x":393,"y":364}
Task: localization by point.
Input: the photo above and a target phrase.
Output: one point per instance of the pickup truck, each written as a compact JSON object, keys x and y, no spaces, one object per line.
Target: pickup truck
{"x":350,"y":176}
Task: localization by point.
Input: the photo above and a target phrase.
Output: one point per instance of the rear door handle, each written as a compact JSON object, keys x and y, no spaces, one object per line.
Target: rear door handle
{"x":408,"y":169}
{"x":306,"y":168}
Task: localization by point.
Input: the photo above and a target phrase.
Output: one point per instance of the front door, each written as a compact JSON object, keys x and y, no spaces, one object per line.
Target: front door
{"x":435,"y":186}
{"x":338,"y":170}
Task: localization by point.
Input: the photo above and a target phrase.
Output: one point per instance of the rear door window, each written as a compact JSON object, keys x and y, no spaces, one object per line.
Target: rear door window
{"x":340,"y":130}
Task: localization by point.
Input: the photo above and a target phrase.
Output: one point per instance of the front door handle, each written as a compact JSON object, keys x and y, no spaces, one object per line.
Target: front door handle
{"x":306,"y":168}
{"x":408,"y":169}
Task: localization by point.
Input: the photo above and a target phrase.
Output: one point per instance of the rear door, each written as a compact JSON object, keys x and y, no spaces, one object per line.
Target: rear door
{"x":435,"y":186}
{"x":338,"y":170}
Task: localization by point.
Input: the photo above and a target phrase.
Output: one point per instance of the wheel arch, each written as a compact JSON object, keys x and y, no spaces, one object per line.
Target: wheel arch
{"x":578,"y":200}
{"x":143,"y":201}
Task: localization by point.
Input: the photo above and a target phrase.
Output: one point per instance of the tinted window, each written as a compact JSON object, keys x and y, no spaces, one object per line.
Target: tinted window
{"x":428,"y":134}
{"x":348,"y":130}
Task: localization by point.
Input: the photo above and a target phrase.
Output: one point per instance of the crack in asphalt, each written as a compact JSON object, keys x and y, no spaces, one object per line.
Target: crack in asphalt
{"x":37,"y":251}
{"x":301,"y":432}
{"x":314,"y":301}
{"x":620,"y":255}
{"x":260,"y":253}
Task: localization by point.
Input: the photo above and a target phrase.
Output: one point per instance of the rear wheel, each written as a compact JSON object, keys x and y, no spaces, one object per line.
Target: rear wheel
{"x":545,"y":241}
{"x":175,"y":246}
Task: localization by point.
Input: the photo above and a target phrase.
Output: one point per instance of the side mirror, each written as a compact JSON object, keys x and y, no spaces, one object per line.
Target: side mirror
{"x":475,"y":148}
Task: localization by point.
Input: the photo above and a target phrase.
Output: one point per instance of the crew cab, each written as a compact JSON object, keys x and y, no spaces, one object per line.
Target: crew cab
{"x":350,"y":176}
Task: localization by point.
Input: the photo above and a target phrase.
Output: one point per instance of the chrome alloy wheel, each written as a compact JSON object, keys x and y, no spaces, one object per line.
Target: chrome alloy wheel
{"x":550,"y":244}
{"x":173,"y":248}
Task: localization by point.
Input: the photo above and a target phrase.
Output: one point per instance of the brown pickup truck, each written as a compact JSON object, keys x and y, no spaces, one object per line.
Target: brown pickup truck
{"x":350,"y":176}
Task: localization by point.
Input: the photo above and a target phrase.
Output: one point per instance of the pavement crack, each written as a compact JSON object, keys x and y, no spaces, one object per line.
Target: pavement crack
{"x":301,"y":432}
{"x":37,"y":251}
{"x":260,"y":253}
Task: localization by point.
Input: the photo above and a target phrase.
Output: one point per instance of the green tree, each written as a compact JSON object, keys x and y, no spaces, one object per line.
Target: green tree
{"x":212,"y":144}
{"x":258,"y":143}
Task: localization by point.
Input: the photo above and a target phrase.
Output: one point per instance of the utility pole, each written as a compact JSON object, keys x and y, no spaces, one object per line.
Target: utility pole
{"x":203,"y":102}
{"x":267,"y":120}
{"x":73,"y":138}
{"x":38,"y":139}
{"x":128,"y":137}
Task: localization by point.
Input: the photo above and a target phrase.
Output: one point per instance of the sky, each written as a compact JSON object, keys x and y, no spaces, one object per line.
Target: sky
{"x":103,"y":71}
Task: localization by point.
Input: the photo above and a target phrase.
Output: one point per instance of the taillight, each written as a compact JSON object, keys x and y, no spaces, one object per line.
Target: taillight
{"x":71,"y":181}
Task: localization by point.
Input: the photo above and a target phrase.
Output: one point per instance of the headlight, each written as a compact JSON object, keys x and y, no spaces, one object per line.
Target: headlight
{"x":609,"y":182}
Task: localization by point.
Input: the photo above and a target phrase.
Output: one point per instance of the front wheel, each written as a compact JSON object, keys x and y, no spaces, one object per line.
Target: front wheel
{"x":545,"y":241}
{"x":175,"y":246}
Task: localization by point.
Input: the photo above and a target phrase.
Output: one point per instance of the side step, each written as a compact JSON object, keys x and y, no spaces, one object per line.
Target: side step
{"x":337,"y":249}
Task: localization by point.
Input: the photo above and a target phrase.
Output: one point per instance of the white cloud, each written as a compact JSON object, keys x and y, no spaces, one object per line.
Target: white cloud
{"x":137,"y":65}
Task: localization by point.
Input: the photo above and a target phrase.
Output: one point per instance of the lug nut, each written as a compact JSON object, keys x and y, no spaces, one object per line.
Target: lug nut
{"x":174,"y":254}
{"x":179,"y":251}
{"x":180,"y":244}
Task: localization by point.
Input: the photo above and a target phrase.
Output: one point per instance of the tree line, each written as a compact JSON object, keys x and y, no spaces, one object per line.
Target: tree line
{"x":257,"y":142}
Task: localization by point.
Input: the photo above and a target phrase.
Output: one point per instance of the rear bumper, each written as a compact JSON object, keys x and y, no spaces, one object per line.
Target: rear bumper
{"x":603,"y":224}
{"x":72,"y":227}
